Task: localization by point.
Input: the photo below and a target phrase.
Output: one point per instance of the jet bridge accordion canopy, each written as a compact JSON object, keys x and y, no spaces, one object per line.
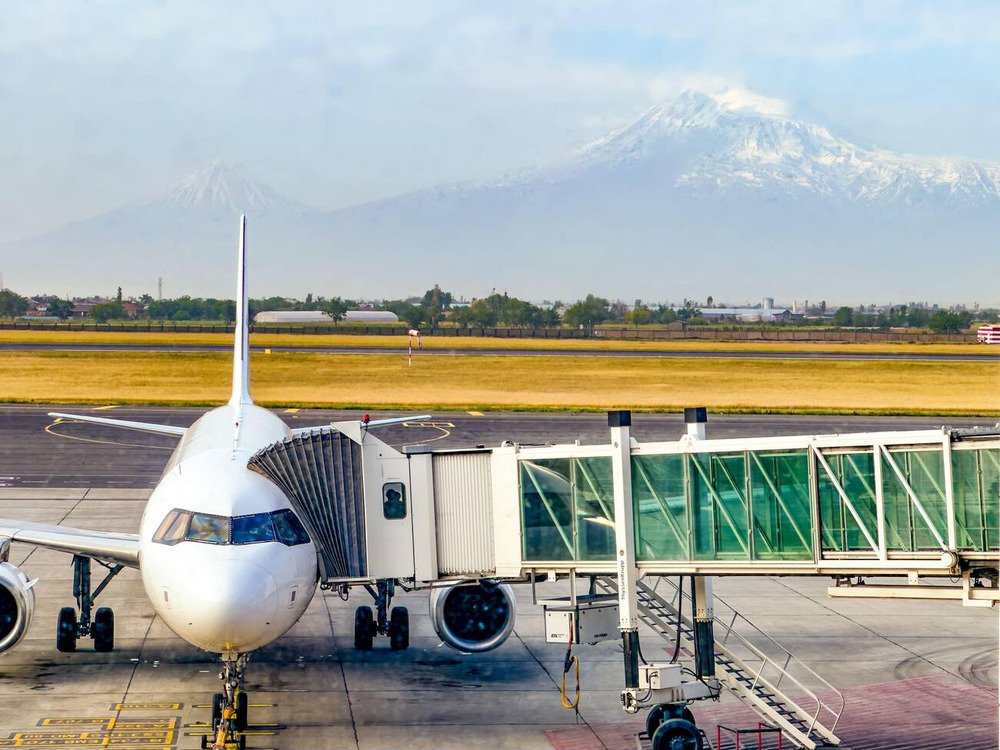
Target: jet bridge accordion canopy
{"x":321,"y":473}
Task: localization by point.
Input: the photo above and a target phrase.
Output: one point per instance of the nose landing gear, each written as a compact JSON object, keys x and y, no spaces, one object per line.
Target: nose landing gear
{"x":99,"y":625}
{"x":230,"y":708}
{"x":395,"y":624}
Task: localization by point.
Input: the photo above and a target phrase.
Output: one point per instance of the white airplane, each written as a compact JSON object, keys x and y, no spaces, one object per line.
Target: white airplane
{"x":224,"y":559}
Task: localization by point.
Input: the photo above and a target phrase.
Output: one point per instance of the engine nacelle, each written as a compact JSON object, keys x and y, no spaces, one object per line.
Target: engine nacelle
{"x":473,"y":618}
{"x":17,"y":605}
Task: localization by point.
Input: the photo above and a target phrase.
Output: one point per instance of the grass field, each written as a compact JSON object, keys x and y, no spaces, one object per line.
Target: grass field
{"x":492,"y":383}
{"x":451,"y":342}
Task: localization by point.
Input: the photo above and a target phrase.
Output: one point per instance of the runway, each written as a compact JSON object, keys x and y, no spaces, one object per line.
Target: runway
{"x":974,"y":356}
{"x":915,"y":674}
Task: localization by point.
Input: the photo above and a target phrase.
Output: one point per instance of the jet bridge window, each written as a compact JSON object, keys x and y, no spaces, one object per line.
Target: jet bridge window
{"x":393,"y":500}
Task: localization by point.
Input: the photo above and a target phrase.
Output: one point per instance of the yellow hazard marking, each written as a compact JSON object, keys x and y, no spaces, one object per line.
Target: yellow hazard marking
{"x":475,"y":414}
{"x":291,"y":411}
{"x":158,"y":723}
{"x":105,"y":408}
{"x":147,"y":707}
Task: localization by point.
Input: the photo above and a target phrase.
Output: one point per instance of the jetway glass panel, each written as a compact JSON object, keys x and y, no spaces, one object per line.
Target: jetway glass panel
{"x":721,"y":511}
{"x":567,"y":509}
{"x":854,"y":473}
{"x":703,"y":506}
{"x":977,"y":497}
{"x":660,"y":500}
{"x":782,"y":515}
{"x":921,"y":473}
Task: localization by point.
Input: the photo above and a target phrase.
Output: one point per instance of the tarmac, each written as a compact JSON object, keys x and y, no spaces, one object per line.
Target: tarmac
{"x":914,"y":674}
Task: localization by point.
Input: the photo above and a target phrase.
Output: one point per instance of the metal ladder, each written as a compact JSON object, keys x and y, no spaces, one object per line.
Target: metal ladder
{"x":747,"y":671}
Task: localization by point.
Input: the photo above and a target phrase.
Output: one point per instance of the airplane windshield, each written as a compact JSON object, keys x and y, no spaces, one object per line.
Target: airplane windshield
{"x":206,"y":528}
{"x":184,"y":526}
{"x":255,"y":528}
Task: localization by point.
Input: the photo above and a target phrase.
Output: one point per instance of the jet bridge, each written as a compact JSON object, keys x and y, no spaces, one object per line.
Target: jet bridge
{"x":917,"y":504}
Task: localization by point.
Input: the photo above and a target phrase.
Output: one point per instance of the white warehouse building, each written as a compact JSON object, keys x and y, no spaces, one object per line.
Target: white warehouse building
{"x":318,"y":316}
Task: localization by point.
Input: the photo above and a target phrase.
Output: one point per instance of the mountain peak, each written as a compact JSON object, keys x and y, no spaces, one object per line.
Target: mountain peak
{"x":220,"y":186}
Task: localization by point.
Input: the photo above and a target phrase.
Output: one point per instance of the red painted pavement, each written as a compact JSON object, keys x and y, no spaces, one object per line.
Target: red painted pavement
{"x":924,"y":713}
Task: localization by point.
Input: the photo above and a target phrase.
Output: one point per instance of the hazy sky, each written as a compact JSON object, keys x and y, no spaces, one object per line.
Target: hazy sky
{"x":333,"y":103}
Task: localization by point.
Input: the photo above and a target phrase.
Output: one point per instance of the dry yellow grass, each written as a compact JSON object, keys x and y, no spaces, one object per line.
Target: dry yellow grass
{"x":451,"y":342}
{"x":484,"y":383}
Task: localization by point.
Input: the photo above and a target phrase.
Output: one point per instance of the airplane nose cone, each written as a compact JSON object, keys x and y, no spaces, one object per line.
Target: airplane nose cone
{"x":231,"y":606}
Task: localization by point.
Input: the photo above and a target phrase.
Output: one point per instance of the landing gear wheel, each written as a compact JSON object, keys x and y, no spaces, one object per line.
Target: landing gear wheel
{"x":242,"y":711}
{"x":364,"y":628}
{"x":399,"y":629}
{"x":103,"y":631}
{"x":66,"y":630}
{"x":677,"y":734}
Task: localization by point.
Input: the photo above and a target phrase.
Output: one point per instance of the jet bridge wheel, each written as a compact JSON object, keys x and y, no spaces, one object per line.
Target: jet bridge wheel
{"x":103,"y":631}
{"x":66,"y":630}
{"x":364,"y":629}
{"x":399,"y":629}
{"x":677,"y":734}
{"x":662,"y":712}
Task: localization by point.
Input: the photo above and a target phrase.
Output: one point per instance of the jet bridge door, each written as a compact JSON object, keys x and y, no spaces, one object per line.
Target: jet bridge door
{"x":389,"y":511}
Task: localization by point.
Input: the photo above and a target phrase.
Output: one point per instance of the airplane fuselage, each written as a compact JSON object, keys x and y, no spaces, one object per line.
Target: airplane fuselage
{"x":223,"y":560}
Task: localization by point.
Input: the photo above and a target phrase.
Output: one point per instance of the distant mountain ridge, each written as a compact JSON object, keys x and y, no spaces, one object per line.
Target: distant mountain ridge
{"x":725,"y":194}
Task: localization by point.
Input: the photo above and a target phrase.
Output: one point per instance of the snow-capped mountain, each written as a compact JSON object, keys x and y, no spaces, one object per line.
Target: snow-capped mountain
{"x":727,"y":194}
{"x":738,"y":143}
{"x":225,"y":188}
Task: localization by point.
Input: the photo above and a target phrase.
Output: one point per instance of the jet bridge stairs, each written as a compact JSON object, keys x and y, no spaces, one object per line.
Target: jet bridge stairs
{"x":751,"y":667}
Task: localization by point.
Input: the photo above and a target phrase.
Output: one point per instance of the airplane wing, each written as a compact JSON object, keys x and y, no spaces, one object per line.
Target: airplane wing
{"x":157,"y":429}
{"x":109,"y":547}
{"x":298,"y":431}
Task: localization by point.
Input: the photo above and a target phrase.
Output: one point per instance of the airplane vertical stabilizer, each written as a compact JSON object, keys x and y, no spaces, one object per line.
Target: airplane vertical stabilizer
{"x":241,"y":346}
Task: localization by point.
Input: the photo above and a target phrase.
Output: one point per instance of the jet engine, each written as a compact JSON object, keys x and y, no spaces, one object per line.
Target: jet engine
{"x":473,"y":618}
{"x":17,"y":605}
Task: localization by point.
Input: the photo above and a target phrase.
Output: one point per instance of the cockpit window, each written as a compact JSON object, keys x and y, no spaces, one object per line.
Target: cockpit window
{"x":255,"y":528}
{"x":289,"y":528}
{"x":174,"y":527}
{"x":207,"y":528}
{"x":184,"y":526}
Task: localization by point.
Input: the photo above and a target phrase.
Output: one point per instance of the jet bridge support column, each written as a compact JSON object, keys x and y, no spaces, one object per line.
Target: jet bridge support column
{"x":696,"y":420}
{"x":620,"y":423}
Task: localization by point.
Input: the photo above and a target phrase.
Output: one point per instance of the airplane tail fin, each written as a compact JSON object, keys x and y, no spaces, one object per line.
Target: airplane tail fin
{"x":241,"y":346}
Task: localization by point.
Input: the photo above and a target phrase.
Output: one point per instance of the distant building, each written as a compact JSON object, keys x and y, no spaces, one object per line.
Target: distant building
{"x":370,"y":316}
{"x":292,"y":316}
{"x":318,"y":316}
{"x":747,"y":314}
{"x":988,"y":334}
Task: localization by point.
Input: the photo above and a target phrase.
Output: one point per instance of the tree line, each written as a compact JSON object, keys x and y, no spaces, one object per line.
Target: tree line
{"x":498,"y":309}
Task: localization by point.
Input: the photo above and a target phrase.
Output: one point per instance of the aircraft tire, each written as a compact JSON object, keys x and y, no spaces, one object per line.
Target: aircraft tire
{"x":399,"y":629}
{"x":104,"y":630}
{"x":66,"y":630}
{"x":242,"y":711}
{"x":364,"y":629}
{"x":218,"y":701}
